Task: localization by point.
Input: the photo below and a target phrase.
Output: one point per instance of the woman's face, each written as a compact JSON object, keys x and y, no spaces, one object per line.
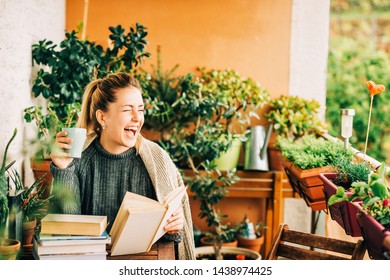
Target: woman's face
{"x":122,"y":121}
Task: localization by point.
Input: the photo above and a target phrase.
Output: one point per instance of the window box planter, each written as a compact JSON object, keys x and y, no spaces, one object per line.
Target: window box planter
{"x":373,"y":232}
{"x":308,"y":184}
{"x":344,"y":213}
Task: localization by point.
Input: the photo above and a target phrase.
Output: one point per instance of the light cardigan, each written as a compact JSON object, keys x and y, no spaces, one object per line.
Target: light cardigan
{"x":165,"y":177}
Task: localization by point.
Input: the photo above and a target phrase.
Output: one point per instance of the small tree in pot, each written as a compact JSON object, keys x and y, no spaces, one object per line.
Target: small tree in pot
{"x":194,"y":119}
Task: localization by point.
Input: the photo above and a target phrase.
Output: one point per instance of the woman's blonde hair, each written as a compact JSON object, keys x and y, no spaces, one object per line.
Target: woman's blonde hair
{"x":98,"y":95}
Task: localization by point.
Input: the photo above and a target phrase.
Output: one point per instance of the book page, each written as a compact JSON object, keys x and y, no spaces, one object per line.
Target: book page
{"x":134,"y":201}
{"x":136,"y":232}
{"x":172,"y":203}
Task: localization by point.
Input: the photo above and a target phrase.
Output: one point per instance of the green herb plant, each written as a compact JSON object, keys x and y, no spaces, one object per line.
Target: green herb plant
{"x":311,"y":152}
{"x":374,"y":195}
{"x":348,"y":171}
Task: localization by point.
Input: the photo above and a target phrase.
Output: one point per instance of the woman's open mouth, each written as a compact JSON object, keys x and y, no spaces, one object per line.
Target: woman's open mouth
{"x":132,"y":131}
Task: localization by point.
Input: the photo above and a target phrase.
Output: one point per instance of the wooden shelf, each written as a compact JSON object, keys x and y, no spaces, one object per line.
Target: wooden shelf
{"x":272,"y":186}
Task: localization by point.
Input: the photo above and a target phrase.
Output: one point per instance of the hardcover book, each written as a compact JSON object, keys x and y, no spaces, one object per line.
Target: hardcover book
{"x":73,"y":224}
{"x":56,"y":240}
{"x":70,"y":248}
{"x":76,"y":256}
{"x":140,"y":221}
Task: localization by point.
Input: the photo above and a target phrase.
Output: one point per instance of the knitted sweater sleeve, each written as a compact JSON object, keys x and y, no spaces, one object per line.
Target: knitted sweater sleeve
{"x":66,"y":190}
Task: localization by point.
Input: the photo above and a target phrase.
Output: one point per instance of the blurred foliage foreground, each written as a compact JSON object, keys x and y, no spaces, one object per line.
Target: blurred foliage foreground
{"x":359,"y":51}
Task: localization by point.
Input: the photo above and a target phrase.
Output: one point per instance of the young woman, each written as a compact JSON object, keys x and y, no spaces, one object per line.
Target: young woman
{"x":116,"y":159}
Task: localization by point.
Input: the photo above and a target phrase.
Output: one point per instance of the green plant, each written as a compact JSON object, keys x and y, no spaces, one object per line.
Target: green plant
{"x":33,"y":206}
{"x":50,"y":123}
{"x":4,"y":210}
{"x":239,"y":97}
{"x":195,"y":114}
{"x":161,"y":89}
{"x":348,"y":171}
{"x":71,"y":64}
{"x":311,"y":152}
{"x":294,"y":117}
{"x":243,"y":227}
{"x":374,"y":195}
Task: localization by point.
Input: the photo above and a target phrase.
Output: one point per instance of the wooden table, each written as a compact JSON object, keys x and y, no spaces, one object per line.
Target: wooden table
{"x":272,"y":186}
{"x":162,"y":250}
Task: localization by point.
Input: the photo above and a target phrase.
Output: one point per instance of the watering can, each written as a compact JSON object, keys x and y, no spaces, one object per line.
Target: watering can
{"x":256,"y":157}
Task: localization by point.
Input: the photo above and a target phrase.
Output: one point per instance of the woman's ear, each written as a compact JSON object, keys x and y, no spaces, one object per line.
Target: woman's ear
{"x":100,"y":118}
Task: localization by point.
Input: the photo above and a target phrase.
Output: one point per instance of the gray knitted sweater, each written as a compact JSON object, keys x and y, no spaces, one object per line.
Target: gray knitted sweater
{"x":96,"y":183}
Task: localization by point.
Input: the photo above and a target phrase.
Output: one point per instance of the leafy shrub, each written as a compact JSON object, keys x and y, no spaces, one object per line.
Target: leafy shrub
{"x":294,"y":116}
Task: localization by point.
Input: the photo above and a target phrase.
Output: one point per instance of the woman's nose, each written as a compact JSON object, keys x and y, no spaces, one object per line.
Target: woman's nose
{"x":135,"y":116}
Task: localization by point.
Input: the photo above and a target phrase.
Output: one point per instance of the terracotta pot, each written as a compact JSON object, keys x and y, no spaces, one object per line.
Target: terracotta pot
{"x":307,"y":184}
{"x":28,"y":232}
{"x":9,"y":249}
{"x":344,"y":213}
{"x":309,"y":177}
{"x":275,"y":159}
{"x":41,"y":167}
{"x":251,"y":244}
{"x":205,"y":241}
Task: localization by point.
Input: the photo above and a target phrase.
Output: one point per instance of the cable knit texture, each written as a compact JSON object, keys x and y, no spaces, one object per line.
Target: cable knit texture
{"x":97,"y":183}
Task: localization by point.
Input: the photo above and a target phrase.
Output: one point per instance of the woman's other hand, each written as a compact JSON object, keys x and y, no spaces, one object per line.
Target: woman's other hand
{"x":175,"y":222}
{"x":59,"y":157}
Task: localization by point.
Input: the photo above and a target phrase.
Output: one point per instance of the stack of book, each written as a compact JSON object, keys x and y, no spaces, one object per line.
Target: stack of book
{"x":71,"y":237}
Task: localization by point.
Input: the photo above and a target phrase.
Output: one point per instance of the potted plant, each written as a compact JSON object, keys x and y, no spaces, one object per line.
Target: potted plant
{"x":238,"y":98}
{"x":34,"y":206}
{"x":251,"y":235}
{"x":345,"y":173}
{"x":241,"y":99}
{"x":65,"y":70}
{"x":161,"y":90}
{"x":194,"y":120}
{"x":229,"y":237}
{"x":307,"y":158}
{"x":372,"y":202}
{"x":47,"y":127}
{"x":291,"y":117}
{"x":9,"y":248}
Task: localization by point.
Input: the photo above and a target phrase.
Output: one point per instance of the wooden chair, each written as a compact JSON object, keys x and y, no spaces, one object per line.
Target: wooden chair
{"x":295,"y":245}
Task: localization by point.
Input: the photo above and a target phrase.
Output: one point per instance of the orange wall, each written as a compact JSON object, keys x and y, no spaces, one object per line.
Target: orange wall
{"x":250,"y":36}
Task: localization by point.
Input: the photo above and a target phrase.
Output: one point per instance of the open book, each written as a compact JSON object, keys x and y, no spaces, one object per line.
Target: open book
{"x":140,"y":222}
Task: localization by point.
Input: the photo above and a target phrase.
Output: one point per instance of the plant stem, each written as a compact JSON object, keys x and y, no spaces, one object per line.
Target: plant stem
{"x":368,"y":127}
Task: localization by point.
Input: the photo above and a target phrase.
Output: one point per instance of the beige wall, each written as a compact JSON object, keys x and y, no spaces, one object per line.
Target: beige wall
{"x":22,"y":23}
{"x":250,"y":36}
